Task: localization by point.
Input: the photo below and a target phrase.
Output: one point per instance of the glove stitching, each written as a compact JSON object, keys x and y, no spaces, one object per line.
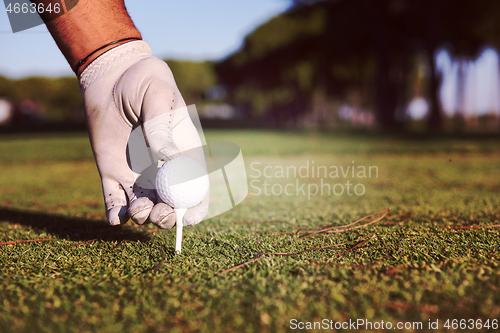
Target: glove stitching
{"x":112,"y":59}
{"x":99,"y":69}
{"x":110,"y":202}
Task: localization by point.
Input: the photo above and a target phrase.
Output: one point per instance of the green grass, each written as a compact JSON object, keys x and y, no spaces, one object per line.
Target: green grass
{"x":127,"y":279}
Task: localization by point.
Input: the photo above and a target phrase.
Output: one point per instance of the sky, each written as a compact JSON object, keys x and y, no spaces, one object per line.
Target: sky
{"x":480,"y":94}
{"x":481,"y":78}
{"x":180,"y":29}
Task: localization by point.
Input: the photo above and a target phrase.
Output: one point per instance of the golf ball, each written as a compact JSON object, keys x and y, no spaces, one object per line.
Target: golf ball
{"x":182,"y":182}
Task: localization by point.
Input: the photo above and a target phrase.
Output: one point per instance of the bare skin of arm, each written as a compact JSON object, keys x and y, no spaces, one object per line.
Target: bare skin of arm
{"x":90,"y":25}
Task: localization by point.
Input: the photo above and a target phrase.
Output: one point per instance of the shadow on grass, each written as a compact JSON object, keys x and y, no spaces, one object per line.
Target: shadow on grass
{"x":70,"y":228}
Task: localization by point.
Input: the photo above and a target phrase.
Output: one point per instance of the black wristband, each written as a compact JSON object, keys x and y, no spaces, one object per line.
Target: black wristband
{"x":84,"y":60}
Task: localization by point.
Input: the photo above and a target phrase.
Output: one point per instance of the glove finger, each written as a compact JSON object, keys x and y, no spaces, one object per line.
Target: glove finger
{"x":115,"y":201}
{"x":117,"y":215}
{"x":163,"y":216}
{"x":141,"y":207}
{"x":196,"y":214}
{"x":139,"y":210}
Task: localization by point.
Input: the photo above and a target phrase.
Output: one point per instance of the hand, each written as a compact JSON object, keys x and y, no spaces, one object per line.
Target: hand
{"x":124,"y":88}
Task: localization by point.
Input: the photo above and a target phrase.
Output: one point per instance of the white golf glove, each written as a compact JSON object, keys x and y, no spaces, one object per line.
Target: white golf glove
{"x":124,"y":88}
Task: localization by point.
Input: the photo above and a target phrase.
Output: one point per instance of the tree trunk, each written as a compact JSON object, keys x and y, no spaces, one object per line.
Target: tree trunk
{"x":435,"y":121}
{"x":388,"y":72}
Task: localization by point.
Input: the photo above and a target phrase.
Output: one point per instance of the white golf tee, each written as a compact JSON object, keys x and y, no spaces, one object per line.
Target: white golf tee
{"x":179,"y":216}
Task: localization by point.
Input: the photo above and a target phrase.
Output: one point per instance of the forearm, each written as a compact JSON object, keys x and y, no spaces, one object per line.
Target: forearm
{"x":87,"y":27}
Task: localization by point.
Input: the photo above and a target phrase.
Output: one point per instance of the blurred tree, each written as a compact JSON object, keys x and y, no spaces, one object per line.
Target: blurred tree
{"x":6,"y":87}
{"x":193,"y":78}
{"x":335,"y":45}
{"x":59,"y":97}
